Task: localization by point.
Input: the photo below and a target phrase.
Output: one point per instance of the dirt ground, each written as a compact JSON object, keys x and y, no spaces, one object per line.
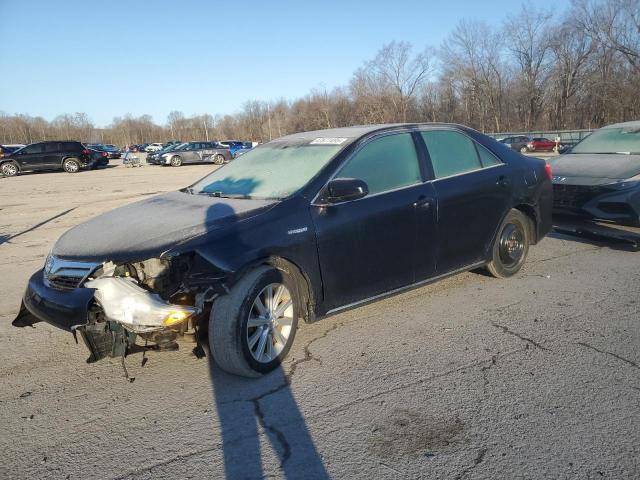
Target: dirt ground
{"x":537,"y":376}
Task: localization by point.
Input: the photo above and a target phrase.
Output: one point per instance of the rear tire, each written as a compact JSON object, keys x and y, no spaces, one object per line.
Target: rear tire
{"x":524,"y":150}
{"x":234,"y":340}
{"x":9,"y":169}
{"x":511,"y":246}
{"x":176,"y":161}
{"x":71,"y":165}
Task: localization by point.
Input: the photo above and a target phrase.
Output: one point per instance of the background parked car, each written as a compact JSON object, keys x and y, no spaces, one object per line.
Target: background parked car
{"x":69,"y":156}
{"x":99,"y":157}
{"x":600,"y":176}
{"x":6,"y":149}
{"x":153,"y":156}
{"x":112,"y":150}
{"x":517,"y":142}
{"x":541,"y":144}
{"x":194,"y":152}
{"x":154,"y":147}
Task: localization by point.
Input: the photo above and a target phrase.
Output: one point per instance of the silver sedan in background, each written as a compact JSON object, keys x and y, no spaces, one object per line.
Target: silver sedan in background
{"x":194,"y":152}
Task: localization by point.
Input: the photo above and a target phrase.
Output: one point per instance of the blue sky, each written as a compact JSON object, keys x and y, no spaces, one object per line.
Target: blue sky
{"x":108,"y":58}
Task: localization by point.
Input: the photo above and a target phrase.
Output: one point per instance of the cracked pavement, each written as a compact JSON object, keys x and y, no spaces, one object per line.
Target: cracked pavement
{"x":469,"y":378}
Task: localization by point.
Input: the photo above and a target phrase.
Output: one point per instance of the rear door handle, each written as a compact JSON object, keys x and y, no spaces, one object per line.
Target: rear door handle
{"x":503,"y":181}
{"x":423,"y":203}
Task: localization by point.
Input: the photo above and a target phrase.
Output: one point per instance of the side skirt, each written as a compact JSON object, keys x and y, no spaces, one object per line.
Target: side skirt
{"x":411,"y":286}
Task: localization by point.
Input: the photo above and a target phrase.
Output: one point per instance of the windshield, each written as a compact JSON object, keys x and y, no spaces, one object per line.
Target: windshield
{"x":611,"y":140}
{"x":274,"y":171}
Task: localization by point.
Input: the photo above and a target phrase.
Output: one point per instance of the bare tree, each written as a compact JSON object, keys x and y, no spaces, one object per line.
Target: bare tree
{"x":613,"y":23}
{"x":570,"y":50}
{"x":529,"y":45}
{"x":397,"y":73}
{"x":472,"y":59}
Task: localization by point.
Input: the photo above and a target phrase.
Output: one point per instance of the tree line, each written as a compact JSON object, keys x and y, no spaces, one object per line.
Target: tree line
{"x":535,"y":71}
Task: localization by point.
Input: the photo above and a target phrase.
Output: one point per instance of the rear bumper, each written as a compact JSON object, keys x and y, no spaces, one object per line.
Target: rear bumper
{"x":62,"y":309}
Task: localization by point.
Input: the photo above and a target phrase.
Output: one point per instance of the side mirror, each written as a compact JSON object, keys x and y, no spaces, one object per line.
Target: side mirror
{"x":345,"y":189}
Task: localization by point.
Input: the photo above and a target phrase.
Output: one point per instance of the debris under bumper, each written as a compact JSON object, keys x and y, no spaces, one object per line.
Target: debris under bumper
{"x":108,"y":312}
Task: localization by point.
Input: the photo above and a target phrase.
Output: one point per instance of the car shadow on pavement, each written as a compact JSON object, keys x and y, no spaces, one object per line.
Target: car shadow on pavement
{"x":255,"y":413}
{"x":615,"y":237}
{"x":251,"y":409}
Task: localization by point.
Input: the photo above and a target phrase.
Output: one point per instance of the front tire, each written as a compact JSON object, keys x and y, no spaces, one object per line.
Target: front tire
{"x":524,"y":150}
{"x":71,"y":165}
{"x":511,"y":246}
{"x":218,"y":159}
{"x":9,"y":169}
{"x":253,"y":327}
{"x":176,"y":161}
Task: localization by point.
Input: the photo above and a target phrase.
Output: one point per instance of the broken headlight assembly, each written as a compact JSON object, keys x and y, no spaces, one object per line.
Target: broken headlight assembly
{"x":143,"y":299}
{"x":139,"y":310}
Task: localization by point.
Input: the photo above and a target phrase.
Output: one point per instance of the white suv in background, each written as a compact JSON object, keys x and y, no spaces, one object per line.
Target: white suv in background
{"x":153,"y":147}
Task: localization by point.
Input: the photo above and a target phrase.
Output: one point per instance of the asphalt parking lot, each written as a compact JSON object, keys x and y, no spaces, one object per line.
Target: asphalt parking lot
{"x":537,"y":376}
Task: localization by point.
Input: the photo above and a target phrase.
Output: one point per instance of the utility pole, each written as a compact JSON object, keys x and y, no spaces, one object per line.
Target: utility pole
{"x":206,"y":130}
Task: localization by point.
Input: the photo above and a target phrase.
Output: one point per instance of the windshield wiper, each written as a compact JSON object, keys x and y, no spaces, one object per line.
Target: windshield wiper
{"x":224,"y":195}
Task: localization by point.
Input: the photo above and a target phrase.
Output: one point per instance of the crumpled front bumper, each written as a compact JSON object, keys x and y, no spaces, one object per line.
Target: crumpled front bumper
{"x":61,"y":308}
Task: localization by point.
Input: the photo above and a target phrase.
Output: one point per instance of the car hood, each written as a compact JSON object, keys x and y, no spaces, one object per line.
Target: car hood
{"x":595,"y":169}
{"x":150,"y":227}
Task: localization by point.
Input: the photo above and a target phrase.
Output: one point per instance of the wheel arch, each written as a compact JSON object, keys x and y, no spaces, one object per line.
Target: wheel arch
{"x":68,"y":157}
{"x":303,"y":283}
{"x":10,"y":160}
{"x":532,"y":215}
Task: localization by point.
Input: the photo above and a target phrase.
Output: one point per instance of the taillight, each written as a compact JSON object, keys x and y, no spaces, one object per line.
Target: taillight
{"x":85,"y":152}
{"x":104,"y":154}
{"x":547,"y":168}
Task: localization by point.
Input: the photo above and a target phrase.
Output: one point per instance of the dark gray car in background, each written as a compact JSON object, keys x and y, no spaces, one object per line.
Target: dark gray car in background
{"x":193,"y":152}
{"x":516,"y":142}
{"x":599,"y":177}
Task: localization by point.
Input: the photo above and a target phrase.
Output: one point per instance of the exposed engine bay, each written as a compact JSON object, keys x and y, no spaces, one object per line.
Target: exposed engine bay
{"x":146,"y":305}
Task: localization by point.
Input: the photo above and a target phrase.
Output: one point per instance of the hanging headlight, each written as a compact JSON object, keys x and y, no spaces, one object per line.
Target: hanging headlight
{"x":125,"y":302}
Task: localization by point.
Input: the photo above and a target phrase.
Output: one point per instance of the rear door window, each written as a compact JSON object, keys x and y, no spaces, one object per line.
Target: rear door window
{"x":386,"y":163}
{"x":35,"y":148}
{"x":451,"y":153}
{"x":51,"y":147}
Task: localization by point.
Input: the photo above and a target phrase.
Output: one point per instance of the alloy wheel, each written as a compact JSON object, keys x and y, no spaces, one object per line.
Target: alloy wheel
{"x":71,"y":166}
{"x":9,"y":169}
{"x":269,"y":323}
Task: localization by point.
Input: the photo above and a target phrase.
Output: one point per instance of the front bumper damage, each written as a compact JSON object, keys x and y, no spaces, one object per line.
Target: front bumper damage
{"x":113,"y":315}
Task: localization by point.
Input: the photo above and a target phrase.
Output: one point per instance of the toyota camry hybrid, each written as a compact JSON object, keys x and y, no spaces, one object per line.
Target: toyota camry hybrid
{"x":296,"y":229}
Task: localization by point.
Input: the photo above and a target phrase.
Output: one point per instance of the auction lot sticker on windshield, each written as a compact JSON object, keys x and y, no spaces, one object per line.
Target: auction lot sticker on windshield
{"x":328,"y":141}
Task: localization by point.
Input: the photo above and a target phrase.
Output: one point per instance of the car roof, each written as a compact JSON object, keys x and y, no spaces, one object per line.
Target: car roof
{"x":358,"y":131}
{"x":633,"y":124}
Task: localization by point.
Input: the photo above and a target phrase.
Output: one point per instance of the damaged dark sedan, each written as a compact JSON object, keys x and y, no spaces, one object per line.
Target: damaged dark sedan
{"x":296,"y":229}
{"x":599,"y":178}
